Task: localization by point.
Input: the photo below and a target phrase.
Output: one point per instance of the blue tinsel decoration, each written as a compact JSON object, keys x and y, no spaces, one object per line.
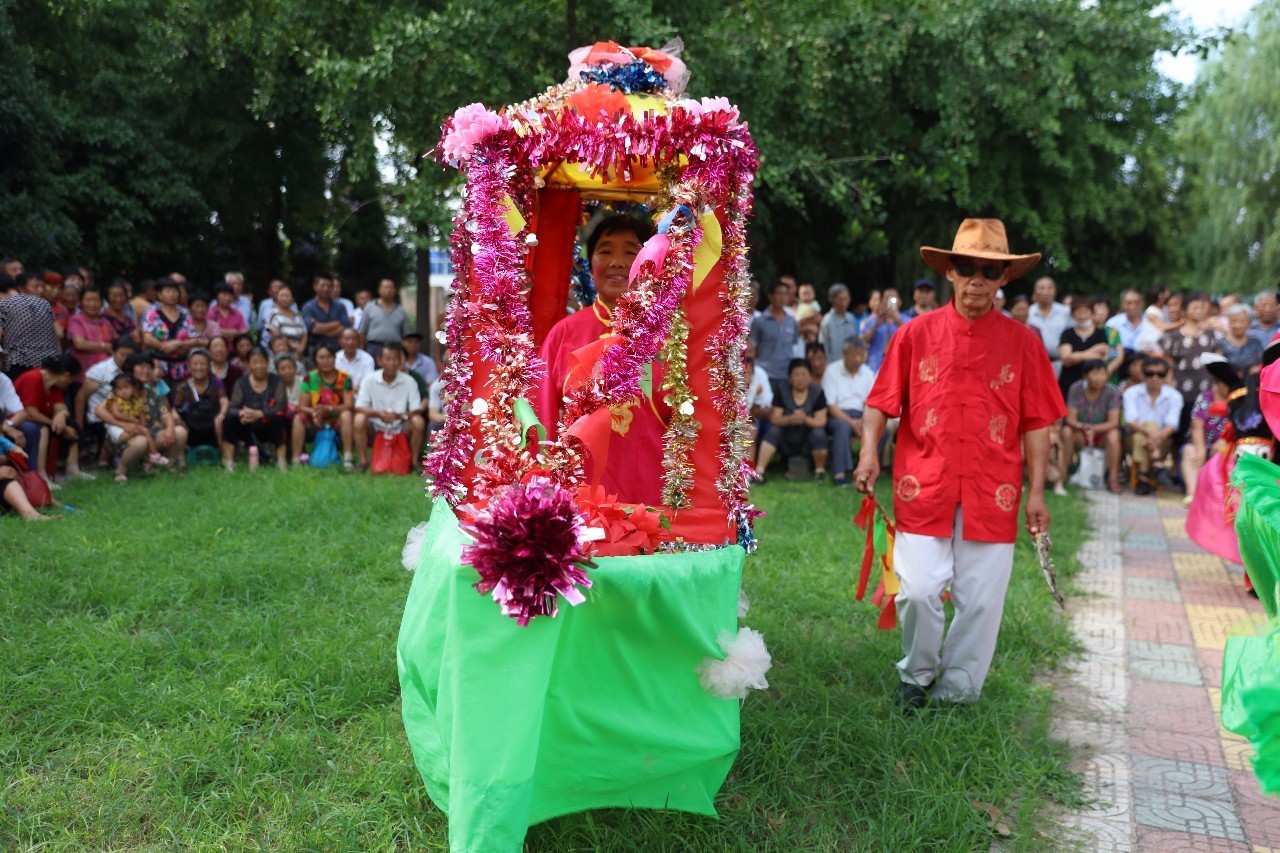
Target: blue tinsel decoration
{"x":637,"y":76}
{"x":746,"y":536}
{"x":583,"y":286}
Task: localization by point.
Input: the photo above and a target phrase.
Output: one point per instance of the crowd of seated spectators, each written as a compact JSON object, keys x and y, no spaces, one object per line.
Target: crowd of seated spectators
{"x":1132,"y":379}
{"x":121,"y":380}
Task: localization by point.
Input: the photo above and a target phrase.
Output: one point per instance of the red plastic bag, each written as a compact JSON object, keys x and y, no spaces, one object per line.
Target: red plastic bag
{"x":33,"y":485}
{"x":391,"y":454}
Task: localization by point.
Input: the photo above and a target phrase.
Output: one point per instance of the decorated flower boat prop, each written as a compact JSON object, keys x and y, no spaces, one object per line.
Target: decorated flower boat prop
{"x":1251,"y":660}
{"x":563,"y":649}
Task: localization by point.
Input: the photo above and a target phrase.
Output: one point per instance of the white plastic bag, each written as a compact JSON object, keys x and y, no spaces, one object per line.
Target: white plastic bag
{"x":1093,"y":469}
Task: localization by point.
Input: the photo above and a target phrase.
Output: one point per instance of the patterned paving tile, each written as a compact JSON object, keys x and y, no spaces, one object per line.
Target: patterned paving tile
{"x":1139,"y":542}
{"x":1151,"y":570}
{"x":1181,"y":777}
{"x":1201,"y":567}
{"x":1158,"y":841}
{"x":1237,"y":752}
{"x":1210,"y":624}
{"x":1200,"y":749}
{"x":1226,"y":593}
{"x":1184,"y":546}
{"x":1156,"y":622}
{"x":1152,"y":589}
{"x":1137,"y":508}
{"x":1175,"y":528}
{"x":1176,"y":709}
{"x":1164,"y":662}
{"x":1259,"y":813}
{"x":1190,"y":814}
{"x":1210,"y":667}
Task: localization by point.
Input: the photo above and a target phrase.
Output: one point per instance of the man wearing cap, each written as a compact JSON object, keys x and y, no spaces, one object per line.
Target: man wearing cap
{"x":924,"y":299}
{"x":973,"y":389}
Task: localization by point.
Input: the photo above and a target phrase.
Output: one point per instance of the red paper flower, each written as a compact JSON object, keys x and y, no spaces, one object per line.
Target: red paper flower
{"x":595,"y":99}
{"x":628,"y":529}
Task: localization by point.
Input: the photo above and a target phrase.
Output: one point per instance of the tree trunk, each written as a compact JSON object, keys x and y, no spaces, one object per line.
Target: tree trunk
{"x":422,"y":303}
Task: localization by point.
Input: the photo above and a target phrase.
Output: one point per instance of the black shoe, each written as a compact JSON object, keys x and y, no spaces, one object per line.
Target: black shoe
{"x":911,"y":697}
{"x":1143,"y":488}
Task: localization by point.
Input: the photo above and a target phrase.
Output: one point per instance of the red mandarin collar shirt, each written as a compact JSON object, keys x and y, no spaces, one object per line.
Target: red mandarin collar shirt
{"x":966,"y":392}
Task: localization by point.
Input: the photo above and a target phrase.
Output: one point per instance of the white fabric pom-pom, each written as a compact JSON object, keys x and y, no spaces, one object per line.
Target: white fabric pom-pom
{"x":413,"y":547}
{"x":744,"y":667}
{"x":744,"y":606}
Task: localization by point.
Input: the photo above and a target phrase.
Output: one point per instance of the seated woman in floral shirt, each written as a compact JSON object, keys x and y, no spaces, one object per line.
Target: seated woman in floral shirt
{"x":327,"y":400}
{"x":1206,"y":430}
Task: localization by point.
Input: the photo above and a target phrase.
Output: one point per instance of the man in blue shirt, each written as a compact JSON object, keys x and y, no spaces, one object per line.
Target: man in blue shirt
{"x":878,"y":329}
{"x":324,"y":315}
{"x":1129,"y":322}
{"x":774,"y":335}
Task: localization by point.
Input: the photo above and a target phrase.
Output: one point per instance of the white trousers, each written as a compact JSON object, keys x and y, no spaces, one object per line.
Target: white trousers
{"x":978,"y":573}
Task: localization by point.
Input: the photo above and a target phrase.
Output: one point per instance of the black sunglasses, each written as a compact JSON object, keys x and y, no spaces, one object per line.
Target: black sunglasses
{"x":1160,"y":373}
{"x":966,"y":269}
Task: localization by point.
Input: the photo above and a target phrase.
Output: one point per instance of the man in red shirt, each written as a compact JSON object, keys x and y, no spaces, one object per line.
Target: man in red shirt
{"x":973,"y":389}
{"x":48,"y":418}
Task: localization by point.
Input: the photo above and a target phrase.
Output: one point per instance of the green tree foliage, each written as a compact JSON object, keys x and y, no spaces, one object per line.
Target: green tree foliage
{"x":1230,"y":141}
{"x":240,"y":132}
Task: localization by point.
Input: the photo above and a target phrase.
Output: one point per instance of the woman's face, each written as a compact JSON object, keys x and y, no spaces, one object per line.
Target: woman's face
{"x":1101,"y":312}
{"x":70,"y":297}
{"x":1021,"y":311}
{"x":224,"y":299}
{"x":116,"y":297}
{"x":218,"y":349}
{"x":801,"y":378}
{"x":1220,"y":391}
{"x":168,"y":296}
{"x":1238,"y":323}
{"x":288,"y":370}
{"x":91,"y":304}
{"x":258,"y":366}
{"x":284,"y":298}
{"x":1196,"y":310}
{"x":1082,"y":315}
{"x":199,"y":310}
{"x":611,"y":263}
{"x":873,"y":301}
{"x":324,"y":360}
{"x":243,"y":345}
{"x":199,"y":365}
{"x":1174,"y":307}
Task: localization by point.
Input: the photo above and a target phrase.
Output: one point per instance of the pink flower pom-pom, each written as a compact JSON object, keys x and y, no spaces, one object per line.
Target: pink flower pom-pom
{"x":472,"y":124}
{"x":720,"y":105}
{"x":530,"y":541}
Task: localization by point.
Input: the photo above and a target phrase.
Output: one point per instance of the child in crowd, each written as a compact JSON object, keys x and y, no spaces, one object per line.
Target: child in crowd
{"x":807,"y":306}
{"x":126,"y":404}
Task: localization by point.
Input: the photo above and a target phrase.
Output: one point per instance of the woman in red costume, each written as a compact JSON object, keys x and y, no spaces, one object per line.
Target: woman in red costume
{"x":633,"y":470}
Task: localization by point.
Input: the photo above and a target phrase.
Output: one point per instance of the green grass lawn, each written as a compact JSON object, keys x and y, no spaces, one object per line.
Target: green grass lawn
{"x":210,"y":663}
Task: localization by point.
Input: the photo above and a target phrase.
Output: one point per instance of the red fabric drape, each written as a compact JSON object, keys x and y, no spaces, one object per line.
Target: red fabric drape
{"x":556,"y":223}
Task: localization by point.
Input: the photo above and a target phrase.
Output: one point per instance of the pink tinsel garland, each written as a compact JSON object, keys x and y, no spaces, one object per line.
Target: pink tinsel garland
{"x":489,"y":308}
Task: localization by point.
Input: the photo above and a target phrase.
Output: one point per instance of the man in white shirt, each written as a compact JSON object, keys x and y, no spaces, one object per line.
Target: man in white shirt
{"x":846,"y":385}
{"x":1151,"y":413}
{"x":759,"y":400}
{"x":342,"y":300}
{"x":388,"y":401}
{"x":1129,"y":323}
{"x":1049,"y":318}
{"x":241,"y":301}
{"x":352,"y":360}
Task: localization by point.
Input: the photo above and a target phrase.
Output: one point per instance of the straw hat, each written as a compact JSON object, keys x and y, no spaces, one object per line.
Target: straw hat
{"x":984,"y":239}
